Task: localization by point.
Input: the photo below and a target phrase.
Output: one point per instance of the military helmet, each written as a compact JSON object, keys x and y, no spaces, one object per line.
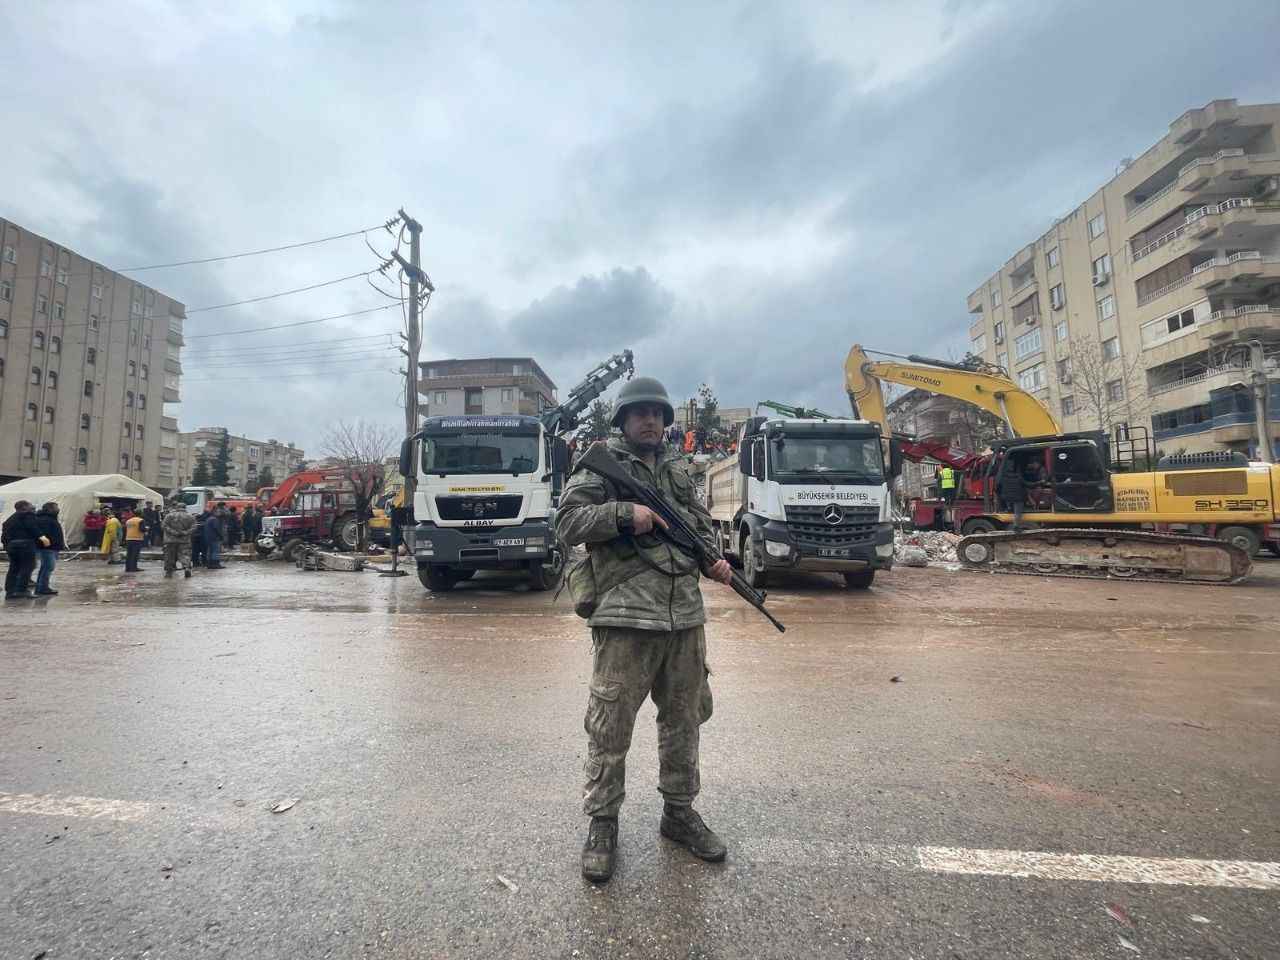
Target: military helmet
{"x":643,"y":390}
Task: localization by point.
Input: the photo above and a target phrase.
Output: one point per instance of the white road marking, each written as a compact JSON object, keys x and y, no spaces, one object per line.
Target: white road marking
{"x":1022,"y":864}
{"x":89,"y":808}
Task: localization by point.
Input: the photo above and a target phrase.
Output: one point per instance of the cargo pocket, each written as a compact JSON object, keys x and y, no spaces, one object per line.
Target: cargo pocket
{"x":603,"y":722}
{"x":705,"y":704}
{"x":592,"y":769}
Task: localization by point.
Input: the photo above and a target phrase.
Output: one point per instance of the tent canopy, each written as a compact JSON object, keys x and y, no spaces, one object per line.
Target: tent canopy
{"x":76,"y":496}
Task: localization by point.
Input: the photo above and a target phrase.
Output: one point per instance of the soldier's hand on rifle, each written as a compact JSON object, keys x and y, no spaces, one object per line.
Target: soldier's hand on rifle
{"x":721,"y":572}
{"x":643,"y":520}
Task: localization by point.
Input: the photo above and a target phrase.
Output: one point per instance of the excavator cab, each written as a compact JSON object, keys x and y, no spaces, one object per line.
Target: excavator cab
{"x":1062,"y":475}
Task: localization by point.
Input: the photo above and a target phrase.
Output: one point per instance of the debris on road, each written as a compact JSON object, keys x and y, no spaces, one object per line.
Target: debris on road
{"x":896,"y":678}
{"x":1128,"y":944}
{"x":1119,"y":914}
{"x":284,"y":805}
{"x":1196,"y":918}
{"x":513,"y":887}
{"x":919,"y":548}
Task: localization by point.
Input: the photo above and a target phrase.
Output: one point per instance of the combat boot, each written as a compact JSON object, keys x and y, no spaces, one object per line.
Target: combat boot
{"x":600,"y":852}
{"x":682,"y":825}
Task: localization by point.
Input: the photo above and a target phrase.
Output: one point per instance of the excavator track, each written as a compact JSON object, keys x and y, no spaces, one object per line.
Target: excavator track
{"x":1106,"y":555}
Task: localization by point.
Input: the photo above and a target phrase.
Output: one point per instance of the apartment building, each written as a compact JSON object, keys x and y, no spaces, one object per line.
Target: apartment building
{"x":929,"y":416}
{"x":483,"y":386}
{"x":89,"y":358}
{"x":249,"y":458}
{"x":1137,"y":306}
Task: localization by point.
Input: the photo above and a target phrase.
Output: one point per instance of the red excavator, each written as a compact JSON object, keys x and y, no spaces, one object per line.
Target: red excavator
{"x":317,"y":506}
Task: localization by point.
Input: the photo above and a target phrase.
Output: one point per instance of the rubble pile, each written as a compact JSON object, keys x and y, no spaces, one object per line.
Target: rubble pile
{"x":919,"y":548}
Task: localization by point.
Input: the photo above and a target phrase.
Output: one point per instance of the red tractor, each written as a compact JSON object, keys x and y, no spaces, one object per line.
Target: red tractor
{"x":319,"y":506}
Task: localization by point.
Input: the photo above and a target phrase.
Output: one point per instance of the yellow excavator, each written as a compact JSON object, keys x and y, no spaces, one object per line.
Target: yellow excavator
{"x":1094,"y":505}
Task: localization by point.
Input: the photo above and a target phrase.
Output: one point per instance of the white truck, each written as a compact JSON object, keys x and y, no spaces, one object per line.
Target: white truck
{"x":806,"y":494}
{"x":487,"y":487}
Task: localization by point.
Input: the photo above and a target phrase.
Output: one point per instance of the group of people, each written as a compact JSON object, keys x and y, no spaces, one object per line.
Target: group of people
{"x":696,"y":440}
{"x":31,"y":536}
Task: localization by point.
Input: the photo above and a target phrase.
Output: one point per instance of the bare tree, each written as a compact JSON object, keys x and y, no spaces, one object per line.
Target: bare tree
{"x":1108,"y":390}
{"x":359,"y":448}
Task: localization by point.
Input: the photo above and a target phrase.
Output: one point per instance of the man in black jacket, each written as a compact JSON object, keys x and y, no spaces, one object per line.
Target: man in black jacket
{"x":20,"y":536}
{"x":51,"y":530}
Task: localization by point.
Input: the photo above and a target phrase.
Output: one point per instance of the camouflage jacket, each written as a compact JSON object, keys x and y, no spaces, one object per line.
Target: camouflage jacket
{"x":177,"y":524}
{"x":644,"y":582}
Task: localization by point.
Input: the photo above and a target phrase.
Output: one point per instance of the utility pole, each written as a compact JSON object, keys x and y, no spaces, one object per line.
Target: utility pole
{"x":1258,"y":381}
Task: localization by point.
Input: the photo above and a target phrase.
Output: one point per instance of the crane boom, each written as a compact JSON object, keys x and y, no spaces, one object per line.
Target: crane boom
{"x":794,"y":412}
{"x":985,"y":387}
{"x":565,"y":416}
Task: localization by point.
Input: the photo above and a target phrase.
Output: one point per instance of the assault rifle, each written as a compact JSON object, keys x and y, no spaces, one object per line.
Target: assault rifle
{"x":679,"y":533}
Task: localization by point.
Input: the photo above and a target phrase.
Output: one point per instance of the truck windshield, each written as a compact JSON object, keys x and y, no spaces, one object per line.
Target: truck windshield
{"x":830,"y":459}
{"x":189,"y":498}
{"x":494,"y":452}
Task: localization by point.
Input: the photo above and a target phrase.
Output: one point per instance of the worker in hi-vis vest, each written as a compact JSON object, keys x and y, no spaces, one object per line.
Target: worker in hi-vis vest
{"x":947,"y":480}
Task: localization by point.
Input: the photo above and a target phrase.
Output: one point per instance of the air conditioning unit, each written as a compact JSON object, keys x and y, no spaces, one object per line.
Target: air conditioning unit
{"x":1059,"y":305}
{"x":1032,"y":320}
{"x":1065,"y":378}
{"x":999,"y":339}
{"x":1099,"y":279}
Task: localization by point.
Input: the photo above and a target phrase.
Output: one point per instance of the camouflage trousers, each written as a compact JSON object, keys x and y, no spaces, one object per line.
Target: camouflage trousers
{"x":177,"y":553}
{"x":630,"y":665}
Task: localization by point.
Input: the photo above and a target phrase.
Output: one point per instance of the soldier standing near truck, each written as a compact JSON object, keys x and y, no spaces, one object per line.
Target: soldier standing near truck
{"x":178,"y":529}
{"x":642,"y":600}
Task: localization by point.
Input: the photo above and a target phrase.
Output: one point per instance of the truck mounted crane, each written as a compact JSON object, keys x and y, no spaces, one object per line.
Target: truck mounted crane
{"x":1197,"y":518}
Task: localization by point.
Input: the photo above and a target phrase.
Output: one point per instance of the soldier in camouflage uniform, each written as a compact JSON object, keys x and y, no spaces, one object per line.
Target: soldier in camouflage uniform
{"x":646,"y":629}
{"x":177,"y":526}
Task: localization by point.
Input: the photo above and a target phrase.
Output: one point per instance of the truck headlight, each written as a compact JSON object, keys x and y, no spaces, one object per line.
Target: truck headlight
{"x":776,"y":548}
{"x":535,"y":542}
{"x":884,"y":549}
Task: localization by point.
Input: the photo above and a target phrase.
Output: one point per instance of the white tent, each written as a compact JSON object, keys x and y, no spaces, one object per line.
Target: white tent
{"x":76,"y":496}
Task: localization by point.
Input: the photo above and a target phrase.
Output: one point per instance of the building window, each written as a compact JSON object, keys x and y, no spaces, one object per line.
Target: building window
{"x":88,"y":388}
{"x":996,"y":298}
{"x":1,"y":366}
{"x":82,"y":456}
{"x":133,"y":369}
{"x":1178,"y":321}
{"x":128,"y":398}
{"x":32,"y":412}
{"x":253,"y":451}
{"x":141,"y":434}
{"x":28,"y":450}
{"x":1102,"y":267}
{"x":999,"y":331}
{"x":45,"y":450}
{"x":128,"y":431}
{"x":137,"y":463}
{"x":1068,"y":406}
{"x":1033,"y":378}
{"x":1051,"y":256}
{"x":53,"y":379}
{"x":133,"y":338}
{"x":1111,"y":348}
{"x":84,"y":421}
{"x":1060,"y":330}
{"x":10,"y":255}
{"x":979,"y":344}
{"x":55,"y":344}
{"x":48,"y":414}
{"x":1097,"y":226}
{"x":124,"y":461}
{"x":1107,"y":307}
{"x":42,"y":304}
{"x":508,"y":395}
{"x":146,"y":341}
{"x":1057,"y":297}
{"x":36,"y":377}
{"x":46,"y":267}
{"x":1064,"y":370}
{"x":62,"y":275}
{"x":37,"y":340}
{"x":440,"y":397}
{"x":1115,"y":390}
{"x":91,"y":356}
{"x":97,"y":290}
{"x":142,"y":401}
{"x":59,"y":311}
{"x":1027,"y":345}
{"x":6,"y":290}
{"x":93,"y":323}
{"x":1002,"y":360}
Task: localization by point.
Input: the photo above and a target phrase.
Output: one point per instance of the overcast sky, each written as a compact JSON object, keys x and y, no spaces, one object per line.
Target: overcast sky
{"x":737,"y":192}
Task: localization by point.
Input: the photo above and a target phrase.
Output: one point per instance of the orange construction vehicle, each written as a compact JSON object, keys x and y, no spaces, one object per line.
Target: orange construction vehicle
{"x":316,"y":506}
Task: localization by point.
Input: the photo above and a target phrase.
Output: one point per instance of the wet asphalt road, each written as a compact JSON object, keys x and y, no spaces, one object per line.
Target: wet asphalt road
{"x":434,"y":742}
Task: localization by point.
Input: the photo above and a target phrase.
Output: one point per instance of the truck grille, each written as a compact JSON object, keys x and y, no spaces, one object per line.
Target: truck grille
{"x":810,"y":527}
{"x":478,"y":508}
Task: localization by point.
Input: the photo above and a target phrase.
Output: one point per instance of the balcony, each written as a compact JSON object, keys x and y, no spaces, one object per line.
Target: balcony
{"x":1191,"y":125}
{"x":171,"y":365}
{"x":1022,"y":288}
{"x":1206,"y":220}
{"x":1190,"y":391}
{"x":1220,"y":169}
{"x":1245,"y":264}
{"x":169,"y":423}
{"x":171,"y":395}
{"x":1249,"y":320}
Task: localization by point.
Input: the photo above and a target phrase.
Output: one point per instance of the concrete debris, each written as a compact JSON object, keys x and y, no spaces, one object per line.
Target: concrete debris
{"x":919,"y":548}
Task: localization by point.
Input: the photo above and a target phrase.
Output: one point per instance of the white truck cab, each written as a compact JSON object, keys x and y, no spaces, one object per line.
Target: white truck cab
{"x":806,"y":494}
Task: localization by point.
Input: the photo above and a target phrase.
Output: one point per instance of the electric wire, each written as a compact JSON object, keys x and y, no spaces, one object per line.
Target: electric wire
{"x":329,"y":376}
{"x":204,"y":352}
{"x":298,"y":361}
{"x":282,"y":293}
{"x":283,"y":326}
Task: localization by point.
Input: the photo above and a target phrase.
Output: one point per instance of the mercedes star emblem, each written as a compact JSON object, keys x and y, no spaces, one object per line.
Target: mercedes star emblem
{"x":833,"y":514}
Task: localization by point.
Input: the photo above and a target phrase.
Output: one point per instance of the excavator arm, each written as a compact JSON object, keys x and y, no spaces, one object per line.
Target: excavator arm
{"x":565,"y":417}
{"x":985,"y":387}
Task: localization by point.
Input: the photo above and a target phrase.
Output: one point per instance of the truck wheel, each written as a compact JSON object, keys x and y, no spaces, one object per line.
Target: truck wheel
{"x":546,"y":574}
{"x":752,"y":565}
{"x":437,"y":578}
{"x":290,"y":549}
{"x":264,"y":551}
{"x":1246,"y":538}
{"x":859,"y":580}
{"x":978,"y":525}
{"x":346,"y":533}
{"x":1274,"y":548}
